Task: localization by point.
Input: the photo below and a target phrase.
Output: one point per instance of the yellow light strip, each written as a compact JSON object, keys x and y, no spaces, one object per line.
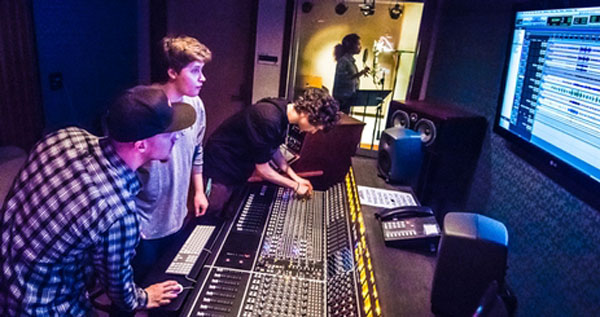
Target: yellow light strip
{"x":361,"y":251}
{"x":367,"y":307}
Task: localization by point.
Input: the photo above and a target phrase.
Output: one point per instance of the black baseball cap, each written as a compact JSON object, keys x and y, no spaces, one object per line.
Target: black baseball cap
{"x":143,"y":111}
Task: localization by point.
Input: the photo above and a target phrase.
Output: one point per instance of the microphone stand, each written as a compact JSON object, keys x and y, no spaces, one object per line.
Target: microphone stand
{"x":398,"y":55}
{"x":364,"y":62}
{"x":377,"y":123}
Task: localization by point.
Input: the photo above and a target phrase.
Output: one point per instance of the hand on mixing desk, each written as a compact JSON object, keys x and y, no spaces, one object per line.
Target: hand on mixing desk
{"x":304,"y":191}
{"x":305,"y":182}
{"x":161,"y":294}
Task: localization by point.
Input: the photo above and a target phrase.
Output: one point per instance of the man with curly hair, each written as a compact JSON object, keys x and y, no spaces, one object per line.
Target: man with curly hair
{"x":248,"y":140}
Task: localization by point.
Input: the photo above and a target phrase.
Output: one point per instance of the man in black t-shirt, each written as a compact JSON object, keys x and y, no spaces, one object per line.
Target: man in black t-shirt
{"x":249,"y":139}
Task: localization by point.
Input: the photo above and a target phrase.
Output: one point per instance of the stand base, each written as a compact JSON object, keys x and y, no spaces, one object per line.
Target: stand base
{"x":366,"y":153}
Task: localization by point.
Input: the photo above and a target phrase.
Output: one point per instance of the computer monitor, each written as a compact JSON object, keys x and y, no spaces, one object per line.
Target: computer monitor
{"x":550,"y":102}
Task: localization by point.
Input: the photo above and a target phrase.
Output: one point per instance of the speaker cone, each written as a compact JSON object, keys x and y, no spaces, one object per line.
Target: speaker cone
{"x":426,"y":129}
{"x":414,"y":117}
{"x":400,"y":119}
{"x":384,"y":163}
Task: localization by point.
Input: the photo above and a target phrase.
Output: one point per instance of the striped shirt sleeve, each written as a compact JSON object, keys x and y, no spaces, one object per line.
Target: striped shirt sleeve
{"x":112,"y":261}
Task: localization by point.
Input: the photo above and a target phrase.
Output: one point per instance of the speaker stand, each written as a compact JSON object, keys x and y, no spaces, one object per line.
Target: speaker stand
{"x":376,"y":125}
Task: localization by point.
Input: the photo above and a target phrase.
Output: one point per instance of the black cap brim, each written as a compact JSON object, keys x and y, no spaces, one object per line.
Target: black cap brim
{"x":184,"y":116}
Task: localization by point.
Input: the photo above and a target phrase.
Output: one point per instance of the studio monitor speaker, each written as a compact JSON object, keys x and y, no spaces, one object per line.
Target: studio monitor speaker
{"x":399,"y":156}
{"x":452,"y":140}
{"x":472,"y":253}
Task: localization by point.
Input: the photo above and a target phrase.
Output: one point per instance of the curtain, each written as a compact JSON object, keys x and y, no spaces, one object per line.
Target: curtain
{"x":21,"y":115}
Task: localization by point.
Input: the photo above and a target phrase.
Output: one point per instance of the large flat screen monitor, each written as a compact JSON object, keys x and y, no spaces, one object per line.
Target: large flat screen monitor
{"x":550,"y":103}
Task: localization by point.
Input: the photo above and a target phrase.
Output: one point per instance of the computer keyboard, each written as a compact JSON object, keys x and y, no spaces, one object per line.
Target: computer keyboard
{"x":190,"y":251}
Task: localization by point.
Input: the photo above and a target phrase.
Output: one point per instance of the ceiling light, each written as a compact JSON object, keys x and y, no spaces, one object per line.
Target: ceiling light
{"x":307,"y":6}
{"x":368,"y":7}
{"x":341,"y":8}
{"x":395,"y":11}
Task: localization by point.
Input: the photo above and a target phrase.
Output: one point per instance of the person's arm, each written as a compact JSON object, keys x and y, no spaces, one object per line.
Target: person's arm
{"x":363,"y":72}
{"x":279,"y":159}
{"x":347,"y":68}
{"x":265,"y":135}
{"x":112,"y":257}
{"x":271,"y":175}
{"x":200,"y":199}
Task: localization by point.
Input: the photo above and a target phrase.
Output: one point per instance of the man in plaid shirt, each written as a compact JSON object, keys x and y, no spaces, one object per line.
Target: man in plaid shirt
{"x":69,"y":220}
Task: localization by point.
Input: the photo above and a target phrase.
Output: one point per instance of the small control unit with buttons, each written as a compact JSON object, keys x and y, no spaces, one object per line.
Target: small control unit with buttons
{"x":409,"y":226}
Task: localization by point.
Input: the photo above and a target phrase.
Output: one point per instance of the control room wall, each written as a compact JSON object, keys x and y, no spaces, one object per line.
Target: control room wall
{"x":92,"y":47}
{"x":554,"y":238}
{"x":228,"y":28}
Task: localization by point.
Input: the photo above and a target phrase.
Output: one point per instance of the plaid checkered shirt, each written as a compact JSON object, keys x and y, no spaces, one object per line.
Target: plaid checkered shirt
{"x":69,"y":223}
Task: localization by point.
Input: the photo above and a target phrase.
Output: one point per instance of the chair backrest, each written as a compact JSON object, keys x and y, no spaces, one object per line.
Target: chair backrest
{"x":491,"y":304}
{"x":472,"y":253}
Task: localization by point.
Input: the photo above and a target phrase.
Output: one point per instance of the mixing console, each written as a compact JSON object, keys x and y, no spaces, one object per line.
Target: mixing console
{"x":285,"y":256}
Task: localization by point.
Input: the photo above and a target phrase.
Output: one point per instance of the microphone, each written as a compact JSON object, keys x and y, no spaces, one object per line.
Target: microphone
{"x":365,"y":55}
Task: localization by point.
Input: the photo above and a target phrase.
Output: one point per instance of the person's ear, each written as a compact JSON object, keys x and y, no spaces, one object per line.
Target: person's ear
{"x":140,"y":146}
{"x":302,"y":115}
{"x":172,"y":74}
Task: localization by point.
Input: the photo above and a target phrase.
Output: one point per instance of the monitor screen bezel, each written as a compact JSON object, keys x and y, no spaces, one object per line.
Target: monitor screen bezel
{"x":569,"y":177}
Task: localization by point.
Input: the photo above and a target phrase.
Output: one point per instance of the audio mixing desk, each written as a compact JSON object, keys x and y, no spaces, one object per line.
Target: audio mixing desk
{"x":283,"y":256}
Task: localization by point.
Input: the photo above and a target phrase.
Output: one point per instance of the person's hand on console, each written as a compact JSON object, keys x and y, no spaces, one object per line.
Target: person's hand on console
{"x":161,"y":294}
{"x":305,"y":182}
{"x":178,"y":289}
{"x":303,"y":191}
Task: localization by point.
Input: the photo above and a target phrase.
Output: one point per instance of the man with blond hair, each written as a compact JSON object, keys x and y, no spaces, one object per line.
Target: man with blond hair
{"x":162,"y":203}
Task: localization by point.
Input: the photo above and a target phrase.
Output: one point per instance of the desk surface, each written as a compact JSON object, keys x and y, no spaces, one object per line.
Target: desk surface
{"x":403,"y":277}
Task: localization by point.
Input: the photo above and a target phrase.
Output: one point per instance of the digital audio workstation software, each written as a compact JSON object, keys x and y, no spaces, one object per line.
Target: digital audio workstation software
{"x":552,"y":89}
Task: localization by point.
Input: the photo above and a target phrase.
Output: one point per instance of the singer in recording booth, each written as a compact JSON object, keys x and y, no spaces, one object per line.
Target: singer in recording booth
{"x":249,"y":139}
{"x":347,"y":76}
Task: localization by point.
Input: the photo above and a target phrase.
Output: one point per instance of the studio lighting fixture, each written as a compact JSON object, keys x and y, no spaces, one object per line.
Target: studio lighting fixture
{"x":396,"y":11}
{"x":368,"y":7}
{"x":341,"y":8}
{"x":307,"y":6}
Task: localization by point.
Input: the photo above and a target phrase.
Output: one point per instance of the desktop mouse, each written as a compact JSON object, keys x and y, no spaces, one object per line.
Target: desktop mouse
{"x":178,"y":288}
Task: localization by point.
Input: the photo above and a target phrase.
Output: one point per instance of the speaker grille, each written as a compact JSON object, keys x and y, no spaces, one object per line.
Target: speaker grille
{"x":427,"y":130}
{"x":400,"y":119}
{"x":452,"y":139}
{"x":384,"y":162}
